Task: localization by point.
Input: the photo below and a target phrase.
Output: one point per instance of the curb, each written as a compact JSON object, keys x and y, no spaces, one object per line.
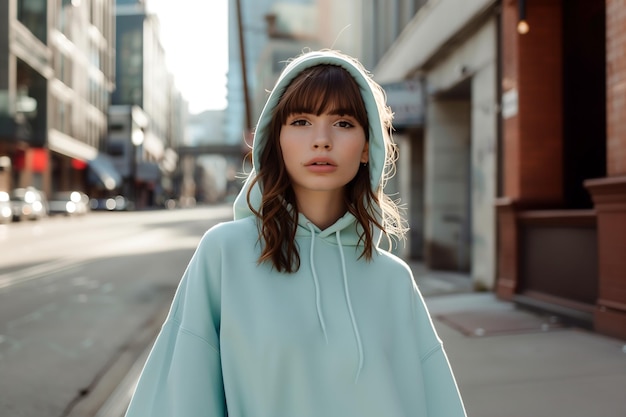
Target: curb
{"x":118,"y":401}
{"x":110,"y":393}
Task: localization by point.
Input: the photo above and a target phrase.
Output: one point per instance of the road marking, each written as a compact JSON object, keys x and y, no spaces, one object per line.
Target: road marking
{"x":138,"y":243}
{"x":37,"y":271}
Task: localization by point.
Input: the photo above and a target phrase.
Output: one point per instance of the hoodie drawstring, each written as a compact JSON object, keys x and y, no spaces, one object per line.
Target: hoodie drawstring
{"x":355,"y":328}
{"x":318,"y":303}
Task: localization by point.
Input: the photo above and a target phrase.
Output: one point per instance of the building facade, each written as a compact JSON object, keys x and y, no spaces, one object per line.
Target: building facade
{"x":608,"y":191}
{"x":517,"y":174}
{"x":562,"y":212}
{"x":55,"y":85}
{"x":148,"y":121}
{"x":448,"y":153}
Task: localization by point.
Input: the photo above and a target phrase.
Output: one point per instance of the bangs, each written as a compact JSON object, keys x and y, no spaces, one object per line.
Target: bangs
{"x":323,"y":89}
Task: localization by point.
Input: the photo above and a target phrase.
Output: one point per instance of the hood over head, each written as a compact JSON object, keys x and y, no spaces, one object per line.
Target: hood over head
{"x":372,"y":96}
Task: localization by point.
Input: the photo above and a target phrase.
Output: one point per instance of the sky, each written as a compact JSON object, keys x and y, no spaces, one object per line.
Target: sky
{"x":194,"y":34}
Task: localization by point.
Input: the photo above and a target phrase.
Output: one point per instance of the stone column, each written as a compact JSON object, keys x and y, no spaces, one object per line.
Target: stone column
{"x":609,"y":197}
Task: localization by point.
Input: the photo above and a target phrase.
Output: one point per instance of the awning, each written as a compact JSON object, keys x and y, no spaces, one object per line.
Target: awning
{"x":106,"y":172}
{"x":68,"y":146}
{"x":100,"y":164}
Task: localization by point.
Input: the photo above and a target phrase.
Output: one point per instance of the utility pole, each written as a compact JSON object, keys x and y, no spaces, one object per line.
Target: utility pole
{"x":244,"y":72}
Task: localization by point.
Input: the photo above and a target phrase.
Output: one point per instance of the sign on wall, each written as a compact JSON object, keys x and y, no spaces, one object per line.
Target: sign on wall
{"x":406,"y":99}
{"x":509,"y":103}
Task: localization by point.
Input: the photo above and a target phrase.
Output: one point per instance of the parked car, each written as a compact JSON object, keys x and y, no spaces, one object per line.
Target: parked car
{"x":28,"y":204}
{"x":117,"y":203}
{"x":69,"y":203}
{"x":6,"y":211}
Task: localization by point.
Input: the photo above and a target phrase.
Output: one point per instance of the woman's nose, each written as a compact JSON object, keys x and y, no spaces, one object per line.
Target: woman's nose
{"x":322,"y":139}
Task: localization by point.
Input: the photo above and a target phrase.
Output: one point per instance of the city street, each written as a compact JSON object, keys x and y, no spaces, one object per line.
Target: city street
{"x":81,"y":300}
{"x":77,"y":293}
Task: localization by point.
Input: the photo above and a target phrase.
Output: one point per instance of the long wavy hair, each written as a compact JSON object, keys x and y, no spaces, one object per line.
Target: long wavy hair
{"x":318,"y":90}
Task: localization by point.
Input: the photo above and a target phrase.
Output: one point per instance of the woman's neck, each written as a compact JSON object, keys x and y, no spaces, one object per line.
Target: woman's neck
{"x":323,"y":209}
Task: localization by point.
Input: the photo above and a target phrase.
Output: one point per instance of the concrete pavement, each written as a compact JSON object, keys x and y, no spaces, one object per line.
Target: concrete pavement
{"x":511,"y":362}
{"x":508,"y":362}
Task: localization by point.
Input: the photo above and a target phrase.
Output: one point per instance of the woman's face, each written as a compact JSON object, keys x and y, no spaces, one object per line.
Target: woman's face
{"x":322,"y":153}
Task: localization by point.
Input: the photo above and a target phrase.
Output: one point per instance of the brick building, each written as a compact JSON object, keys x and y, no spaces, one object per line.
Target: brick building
{"x":561,"y":212}
{"x":609,"y":193}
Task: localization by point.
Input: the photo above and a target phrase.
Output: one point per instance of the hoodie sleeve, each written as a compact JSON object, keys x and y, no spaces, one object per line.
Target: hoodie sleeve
{"x":182,"y":375}
{"x":442,"y":394}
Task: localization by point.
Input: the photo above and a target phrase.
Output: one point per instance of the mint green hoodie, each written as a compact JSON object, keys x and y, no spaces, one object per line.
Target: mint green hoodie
{"x":341,"y":337}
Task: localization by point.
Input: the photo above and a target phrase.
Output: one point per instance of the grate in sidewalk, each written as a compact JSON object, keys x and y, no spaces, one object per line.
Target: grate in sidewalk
{"x":491,"y":323}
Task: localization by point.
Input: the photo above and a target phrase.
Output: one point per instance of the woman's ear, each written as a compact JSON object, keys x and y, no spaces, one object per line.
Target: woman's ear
{"x":365,"y":155}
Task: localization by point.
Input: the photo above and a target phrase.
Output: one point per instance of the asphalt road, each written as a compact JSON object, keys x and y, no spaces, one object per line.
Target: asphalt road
{"x":77,"y":295}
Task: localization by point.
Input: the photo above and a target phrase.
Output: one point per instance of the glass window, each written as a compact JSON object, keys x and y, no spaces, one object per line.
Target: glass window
{"x":32,"y":14}
{"x":115,"y":148}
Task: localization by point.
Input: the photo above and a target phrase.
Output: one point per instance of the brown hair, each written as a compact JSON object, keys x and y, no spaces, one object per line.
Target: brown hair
{"x":319,"y":89}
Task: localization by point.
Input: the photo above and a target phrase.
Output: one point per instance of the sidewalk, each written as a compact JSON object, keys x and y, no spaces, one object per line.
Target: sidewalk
{"x":510,"y":362}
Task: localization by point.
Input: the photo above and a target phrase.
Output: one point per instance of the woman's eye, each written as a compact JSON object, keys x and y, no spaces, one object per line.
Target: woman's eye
{"x":298,"y":122}
{"x":345,"y":124}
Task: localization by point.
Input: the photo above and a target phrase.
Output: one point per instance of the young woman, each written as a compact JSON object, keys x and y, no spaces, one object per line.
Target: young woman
{"x":292,"y":310}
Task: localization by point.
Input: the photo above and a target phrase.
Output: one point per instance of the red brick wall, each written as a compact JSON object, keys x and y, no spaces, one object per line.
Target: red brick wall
{"x":609,"y":194}
{"x":510,"y":126}
{"x":533,"y":138}
{"x":616,"y":86}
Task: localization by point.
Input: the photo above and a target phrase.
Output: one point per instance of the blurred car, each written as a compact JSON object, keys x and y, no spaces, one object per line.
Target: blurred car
{"x":28,"y":204}
{"x":117,"y":203}
{"x":69,"y":203}
{"x":6,"y":210}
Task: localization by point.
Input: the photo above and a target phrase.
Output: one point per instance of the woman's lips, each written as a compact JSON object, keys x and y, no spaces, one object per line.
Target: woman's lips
{"x":321,"y":165}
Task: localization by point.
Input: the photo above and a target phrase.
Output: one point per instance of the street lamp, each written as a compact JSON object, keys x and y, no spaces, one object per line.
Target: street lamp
{"x":522,"y":24}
